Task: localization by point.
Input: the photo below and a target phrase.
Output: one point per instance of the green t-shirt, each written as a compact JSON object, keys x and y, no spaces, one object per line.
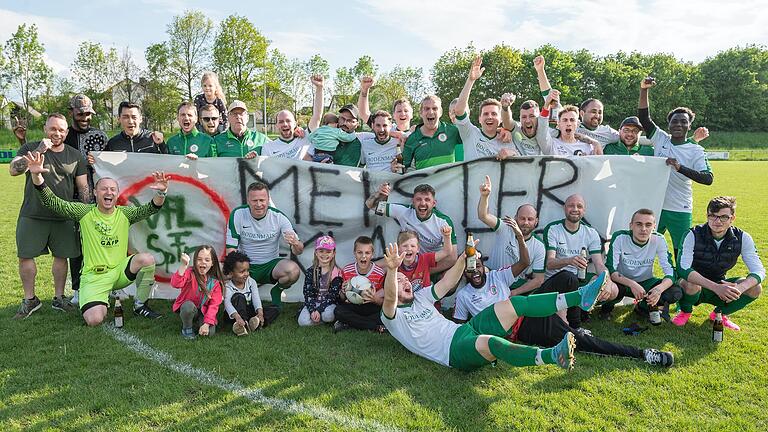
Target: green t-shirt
{"x":63,"y":167}
{"x":437,"y":149}
{"x":618,"y":148}
{"x":226,"y":144}
{"x":195,"y":142}
{"x":104,"y":236}
{"x":348,"y":154}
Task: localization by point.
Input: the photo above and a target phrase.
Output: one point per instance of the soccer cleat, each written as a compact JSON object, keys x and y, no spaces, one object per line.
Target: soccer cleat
{"x":254,"y":323}
{"x":591,"y":291}
{"x":562,"y":353}
{"x":27,"y":307}
{"x":188,"y":333}
{"x":581,"y":331}
{"x":240,"y":329}
{"x":339,"y":326}
{"x":726,"y":322}
{"x":146,"y":312}
{"x":658,"y":358}
{"x":75,"y":300}
{"x":681,"y":318}
{"x":62,"y":303}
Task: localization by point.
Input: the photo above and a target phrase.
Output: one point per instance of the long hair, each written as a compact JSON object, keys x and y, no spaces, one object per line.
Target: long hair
{"x":214,"y":272}
{"x":218,"y":91}
{"x":317,"y":271}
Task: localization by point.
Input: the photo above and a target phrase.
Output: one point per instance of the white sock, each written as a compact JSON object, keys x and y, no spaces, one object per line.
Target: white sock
{"x":560,"y":303}
{"x":539,"y":361}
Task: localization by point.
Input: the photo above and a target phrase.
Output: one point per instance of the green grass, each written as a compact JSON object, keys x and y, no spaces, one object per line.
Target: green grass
{"x":57,"y":374}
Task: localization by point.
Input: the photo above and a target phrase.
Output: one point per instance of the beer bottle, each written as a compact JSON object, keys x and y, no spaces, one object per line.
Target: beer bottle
{"x":654,"y":314}
{"x":118,"y":314}
{"x":471,"y":253}
{"x":381,"y":207}
{"x":399,"y":159}
{"x":717,"y":328}
{"x":582,"y":273}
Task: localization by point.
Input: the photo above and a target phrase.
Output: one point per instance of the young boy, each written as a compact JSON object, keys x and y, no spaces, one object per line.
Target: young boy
{"x":364,"y":316}
{"x":326,"y":138}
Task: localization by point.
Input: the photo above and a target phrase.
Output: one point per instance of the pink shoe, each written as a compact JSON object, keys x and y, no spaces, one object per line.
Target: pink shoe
{"x":727,"y":323}
{"x":682,"y":318}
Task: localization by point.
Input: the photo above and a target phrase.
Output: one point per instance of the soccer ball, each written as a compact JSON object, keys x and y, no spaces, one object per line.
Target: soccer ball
{"x":357,"y":286}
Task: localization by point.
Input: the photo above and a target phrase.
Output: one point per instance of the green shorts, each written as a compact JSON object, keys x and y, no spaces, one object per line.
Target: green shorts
{"x":35,"y":237}
{"x":262,"y":273}
{"x":96,"y":286}
{"x":709,"y":297}
{"x":678,"y":224}
{"x":463,"y":354}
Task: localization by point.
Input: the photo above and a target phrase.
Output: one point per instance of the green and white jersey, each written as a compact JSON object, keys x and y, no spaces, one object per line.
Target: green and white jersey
{"x":635,"y":261}
{"x":476,"y":143}
{"x":257,"y":238}
{"x":226,"y":144}
{"x":618,"y":148}
{"x":104,"y":236}
{"x":426,"y":151}
{"x":603,"y":134}
{"x":562,"y":148}
{"x":296,"y":148}
{"x":421,"y":329}
{"x":679,"y":196}
{"x":195,"y":142}
{"x":536,"y":145}
{"x":377,"y":156}
{"x":567,"y":244}
{"x":428,"y":230}
{"x":470,"y":301}
{"x":506,"y":251}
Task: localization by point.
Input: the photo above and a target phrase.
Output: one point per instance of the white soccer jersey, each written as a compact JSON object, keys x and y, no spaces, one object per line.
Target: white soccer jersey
{"x":470,"y":301}
{"x":506,"y":252}
{"x":603,"y":134}
{"x":562,"y":148}
{"x":428,"y":231}
{"x":567,"y":244}
{"x":296,"y":148}
{"x":376,"y":156}
{"x":679,"y":196}
{"x":257,"y":238}
{"x":538,"y":145}
{"x":635,"y":261}
{"x":421,"y":329}
{"x":477,"y":144}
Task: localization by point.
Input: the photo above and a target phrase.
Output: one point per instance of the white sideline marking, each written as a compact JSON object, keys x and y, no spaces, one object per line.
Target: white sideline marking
{"x":254,"y":395}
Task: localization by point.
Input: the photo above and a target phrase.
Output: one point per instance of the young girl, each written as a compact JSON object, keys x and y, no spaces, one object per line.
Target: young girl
{"x":322,"y":283}
{"x":212,"y":94}
{"x":241,"y":300}
{"x":200,"y":296}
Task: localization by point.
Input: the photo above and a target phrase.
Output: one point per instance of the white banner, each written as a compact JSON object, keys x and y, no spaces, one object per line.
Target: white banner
{"x":320,"y":199}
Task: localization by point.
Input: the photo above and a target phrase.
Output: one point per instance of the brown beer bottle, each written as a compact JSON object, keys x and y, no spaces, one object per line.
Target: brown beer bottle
{"x":471,"y":253}
{"x":118,"y":314}
{"x":654,"y":314}
{"x":717,"y":328}
{"x":399,"y":158}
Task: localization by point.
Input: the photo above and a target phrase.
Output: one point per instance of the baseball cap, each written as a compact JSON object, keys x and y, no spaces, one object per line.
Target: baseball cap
{"x":325,"y":242}
{"x":352,"y":110}
{"x":237,"y":104}
{"x":631,"y":121}
{"x":82,"y":104}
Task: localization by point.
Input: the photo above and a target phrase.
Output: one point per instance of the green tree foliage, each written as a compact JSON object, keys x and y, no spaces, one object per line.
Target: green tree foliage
{"x":189,"y":47}
{"x":95,"y":70}
{"x":162,"y":94}
{"x":24,"y":65}
{"x":290,"y":74}
{"x":240,"y":55}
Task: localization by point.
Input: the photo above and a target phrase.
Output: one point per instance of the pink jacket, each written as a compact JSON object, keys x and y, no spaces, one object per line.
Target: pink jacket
{"x":189,"y":291}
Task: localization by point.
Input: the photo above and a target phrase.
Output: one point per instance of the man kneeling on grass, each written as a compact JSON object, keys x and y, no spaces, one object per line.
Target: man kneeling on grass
{"x":413,"y":320}
{"x":104,"y":232}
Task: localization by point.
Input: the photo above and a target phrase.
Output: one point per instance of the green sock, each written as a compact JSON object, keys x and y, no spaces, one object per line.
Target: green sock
{"x":688,"y":300}
{"x":145,"y":280}
{"x":519,"y":355}
{"x":276,"y":294}
{"x":544,"y":305}
{"x":737,"y":305}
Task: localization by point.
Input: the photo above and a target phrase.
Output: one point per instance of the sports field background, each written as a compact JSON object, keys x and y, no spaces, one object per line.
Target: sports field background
{"x":56,"y":374}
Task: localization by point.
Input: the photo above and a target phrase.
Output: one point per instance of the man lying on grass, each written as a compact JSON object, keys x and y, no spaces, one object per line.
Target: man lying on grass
{"x":413,"y":320}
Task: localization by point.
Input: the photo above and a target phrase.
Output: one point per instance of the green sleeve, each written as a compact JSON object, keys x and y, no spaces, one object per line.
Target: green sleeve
{"x":139,"y":213}
{"x":408,"y":149}
{"x":67,"y":209}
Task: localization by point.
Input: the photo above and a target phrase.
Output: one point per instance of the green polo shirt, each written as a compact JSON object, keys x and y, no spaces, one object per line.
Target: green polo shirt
{"x":618,"y":148}
{"x":226,"y":144}
{"x":348,"y":154}
{"x":437,"y":149}
{"x":195,"y":142}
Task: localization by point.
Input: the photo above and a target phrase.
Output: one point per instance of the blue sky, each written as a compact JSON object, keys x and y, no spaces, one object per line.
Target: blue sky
{"x":407,"y":32}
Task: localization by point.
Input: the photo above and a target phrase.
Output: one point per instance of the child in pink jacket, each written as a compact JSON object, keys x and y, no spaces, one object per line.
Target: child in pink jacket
{"x":201,"y":292}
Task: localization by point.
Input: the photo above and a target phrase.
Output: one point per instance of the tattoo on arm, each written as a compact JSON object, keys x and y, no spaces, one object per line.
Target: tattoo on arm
{"x":18,"y":166}
{"x":85,"y":193}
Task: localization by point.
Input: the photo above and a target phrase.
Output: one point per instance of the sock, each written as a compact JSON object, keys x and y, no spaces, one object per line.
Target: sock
{"x":145,"y":280}
{"x":737,"y":305}
{"x":561,"y":303}
{"x":519,"y":355}
{"x":544,"y":305}
{"x":276,"y":293}
{"x":686,"y":303}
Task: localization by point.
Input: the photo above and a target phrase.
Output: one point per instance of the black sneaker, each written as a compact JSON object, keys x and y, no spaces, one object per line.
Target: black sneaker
{"x":658,"y":358}
{"x":146,"y":312}
{"x":339,"y":326}
{"x":27,"y":307}
{"x":581,"y":331}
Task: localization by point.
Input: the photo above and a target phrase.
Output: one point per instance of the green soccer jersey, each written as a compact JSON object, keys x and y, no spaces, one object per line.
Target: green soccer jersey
{"x":228,"y":145}
{"x":618,"y":148}
{"x":104,"y":236}
{"x":427,"y":151}
{"x":195,"y":142}
{"x":348,"y":154}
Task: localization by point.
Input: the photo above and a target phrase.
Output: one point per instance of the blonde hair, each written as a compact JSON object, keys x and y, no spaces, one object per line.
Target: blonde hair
{"x":218,"y":91}
{"x":317,"y":271}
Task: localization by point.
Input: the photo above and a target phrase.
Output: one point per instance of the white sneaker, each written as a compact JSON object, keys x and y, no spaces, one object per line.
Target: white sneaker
{"x":75,"y":300}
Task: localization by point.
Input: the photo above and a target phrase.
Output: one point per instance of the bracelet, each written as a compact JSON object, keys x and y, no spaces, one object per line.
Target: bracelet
{"x":161,"y":193}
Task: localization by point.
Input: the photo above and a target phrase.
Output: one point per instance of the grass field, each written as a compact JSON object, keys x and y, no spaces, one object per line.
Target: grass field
{"x":56,"y":374}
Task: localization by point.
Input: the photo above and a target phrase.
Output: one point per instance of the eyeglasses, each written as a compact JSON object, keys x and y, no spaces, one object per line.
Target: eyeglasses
{"x":721,"y":218}
{"x":210,"y":119}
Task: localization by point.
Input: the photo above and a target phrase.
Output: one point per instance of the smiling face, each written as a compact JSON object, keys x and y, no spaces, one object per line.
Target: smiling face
{"x":403,"y":113}
{"x":568,"y":123}
{"x":720,"y":221}
{"x":325,"y":256}
{"x":430,"y":113}
{"x":423,"y":203}
{"x":210,"y":121}
{"x":574,"y":208}
{"x":187,"y":117}
{"x":490,"y":119}
{"x":679,"y":125}
{"x":106,"y":191}
{"x":381,"y":127}
{"x":411,"y":249}
{"x":526,"y":219}
{"x":592,"y":114}
{"x":629,"y":135}
{"x":477,"y":277}
{"x":209,"y":89}
{"x":240,"y":272}
{"x":286,"y":123}
{"x":258,"y":202}
{"x":528,"y":121}
{"x":642,"y":227}
{"x":404,"y":289}
{"x":130,"y":121}
{"x":238,"y":121}
{"x":363,"y":255}
{"x":81,"y":121}
{"x":203,"y":261}
{"x":56,"y":131}
{"x":347,"y":121}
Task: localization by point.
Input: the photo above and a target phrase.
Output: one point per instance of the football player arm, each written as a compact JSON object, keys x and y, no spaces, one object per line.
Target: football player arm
{"x":70,"y":210}
{"x":449,"y":250}
{"x":381,"y":195}
{"x":392,"y":260}
{"x":317,"y":105}
{"x":554,"y":263}
{"x":752,"y":260}
{"x":489,"y":219}
{"x":541,"y":74}
{"x":475,"y":72}
{"x":362,"y":100}
{"x":83,"y":190}
{"x":450,"y":278}
{"x":701,"y":177}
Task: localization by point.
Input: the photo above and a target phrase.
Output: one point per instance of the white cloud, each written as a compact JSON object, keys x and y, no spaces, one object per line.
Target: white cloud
{"x":301,"y":44}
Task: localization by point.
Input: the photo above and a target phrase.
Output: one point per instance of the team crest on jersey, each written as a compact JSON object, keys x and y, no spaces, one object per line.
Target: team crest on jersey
{"x":442,"y":137}
{"x":193,"y":148}
{"x":494,"y":290}
{"x":102,"y":228}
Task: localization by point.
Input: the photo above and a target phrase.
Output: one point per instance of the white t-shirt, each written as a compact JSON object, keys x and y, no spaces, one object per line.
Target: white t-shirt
{"x":477,"y":144}
{"x":562,"y":148}
{"x":679,"y":196}
{"x":421,"y":329}
{"x":603,"y":134}
{"x":567,"y":244}
{"x":376,"y":156}
{"x":428,"y":231}
{"x":250,"y":291}
{"x":506,"y":251}
{"x":635,"y":261}
{"x":296,"y":148}
{"x":470,"y":301}
{"x":257,"y":238}
{"x":535,"y":146}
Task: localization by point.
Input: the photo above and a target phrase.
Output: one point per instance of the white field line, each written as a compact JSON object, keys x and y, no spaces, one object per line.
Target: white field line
{"x":253,"y":394}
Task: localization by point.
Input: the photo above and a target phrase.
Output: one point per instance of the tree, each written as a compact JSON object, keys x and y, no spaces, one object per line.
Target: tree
{"x":162,"y":95}
{"x":25,"y":67}
{"x":344,"y":86}
{"x":95,"y":70}
{"x":317,"y":65}
{"x":450,"y":72}
{"x":291,"y":75}
{"x":365,"y":66}
{"x":240,"y":54}
{"x":189,"y":41}
{"x":128,"y":76}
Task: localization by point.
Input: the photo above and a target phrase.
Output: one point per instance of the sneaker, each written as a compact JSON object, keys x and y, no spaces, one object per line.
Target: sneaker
{"x":146,"y":312}
{"x":591,"y":291}
{"x":27,"y":307}
{"x":727,"y":323}
{"x":188,"y":333}
{"x":658,"y":358}
{"x":253,"y":323}
{"x":380,"y":329}
{"x":681,"y":318}
{"x":239,"y":329}
{"x":62,"y":303}
{"x":581,"y":331}
{"x":339,"y":326}
{"x":562,"y":353}
{"x":75,"y":300}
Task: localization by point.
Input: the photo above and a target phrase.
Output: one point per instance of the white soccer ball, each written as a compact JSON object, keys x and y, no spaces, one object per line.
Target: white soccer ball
{"x":356,"y":287}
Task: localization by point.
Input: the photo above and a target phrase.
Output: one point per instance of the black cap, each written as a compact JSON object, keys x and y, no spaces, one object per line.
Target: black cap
{"x":352,"y":110}
{"x":631,"y":121}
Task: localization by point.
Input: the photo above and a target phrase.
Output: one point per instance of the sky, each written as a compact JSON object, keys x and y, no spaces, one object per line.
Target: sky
{"x":406,"y":32}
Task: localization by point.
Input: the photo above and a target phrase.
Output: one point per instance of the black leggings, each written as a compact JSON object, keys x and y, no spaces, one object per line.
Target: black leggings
{"x":366,"y":316}
{"x":563,"y":282}
{"x":247,"y":311}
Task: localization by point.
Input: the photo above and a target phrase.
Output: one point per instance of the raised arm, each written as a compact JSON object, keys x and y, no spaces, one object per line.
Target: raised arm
{"x":70,"y":210}
{"x":18,"y":165}
{"x":317,"y":105}
{"x":381,"y":195}
{"x":451,"y":277}
{"x":160,"y":186}
{"x":490,"y":220}
{"x":507,"y":99}
{"x":362,"y":100}
{"x":643,"y":109}
{"x":392,"y":260}
{"x":541,"y":74}
{"x":475,"y":72}
{"x":448,"y":250}
{"x":525,"y":259}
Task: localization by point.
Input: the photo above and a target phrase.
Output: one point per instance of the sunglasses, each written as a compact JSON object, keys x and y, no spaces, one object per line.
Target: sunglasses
{"x":210,"y":119}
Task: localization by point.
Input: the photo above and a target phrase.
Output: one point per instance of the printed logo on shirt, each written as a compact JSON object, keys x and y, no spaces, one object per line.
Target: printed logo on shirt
{"x":109,"y":241}
{"x":424,"y":314}
{"x":442,"y":137}
{"x":193,"y":148}
{"x":258,"y":235}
